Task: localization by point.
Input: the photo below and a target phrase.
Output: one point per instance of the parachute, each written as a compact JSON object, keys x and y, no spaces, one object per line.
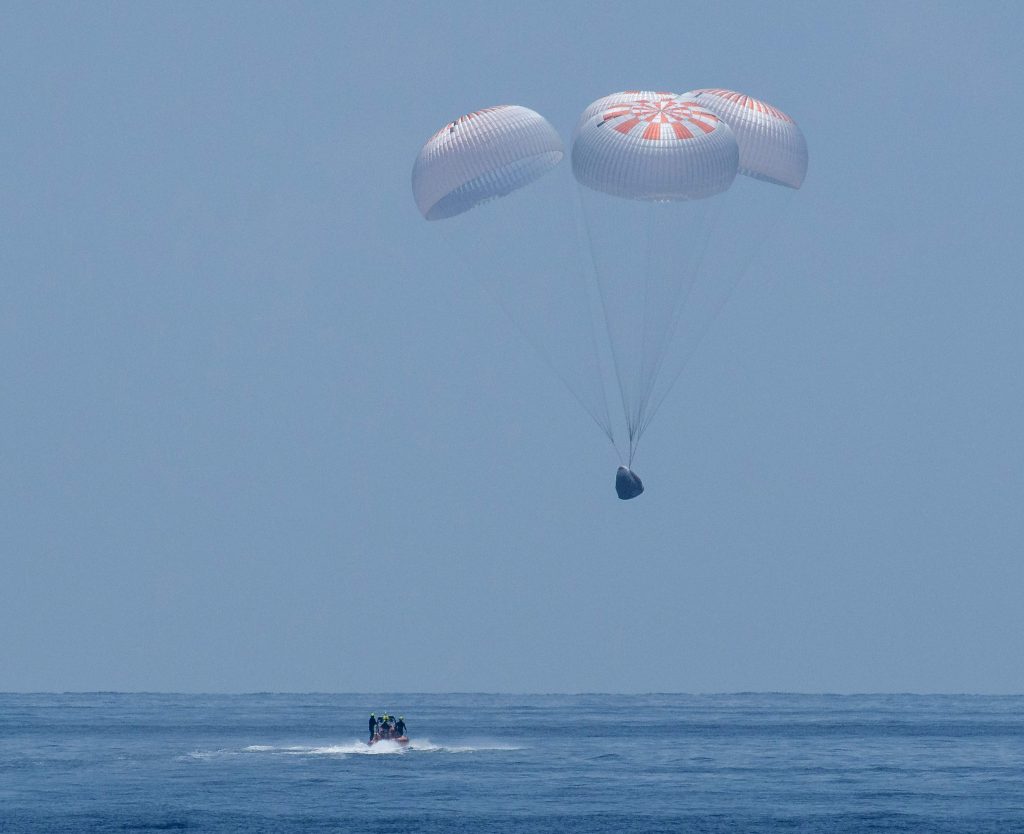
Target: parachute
{"x":482,"y":156}
{"x":661,"y":149}
{"x":660,"y":249}
{"x":646,"y":167}
{"x":772,"y":148}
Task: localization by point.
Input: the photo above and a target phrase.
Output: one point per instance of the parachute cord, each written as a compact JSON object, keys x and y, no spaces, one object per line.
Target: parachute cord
{"x":592,"y":333}
{"x":604,"y":425}
{"x":645,"y":345}
{"x":634,"y":442}
{"x":734,"y":282}
{"x":604,"y":308}
{"x":677,"y":314}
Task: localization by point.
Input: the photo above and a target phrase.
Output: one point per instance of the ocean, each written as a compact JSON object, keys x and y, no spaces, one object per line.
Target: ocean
{"x":91,"y":762}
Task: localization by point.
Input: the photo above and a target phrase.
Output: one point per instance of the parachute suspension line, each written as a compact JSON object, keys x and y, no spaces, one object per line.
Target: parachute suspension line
{"x":602,"y":293}
{"x":678,"y":306}
{"x":733,"y":282}
{"x":451,"y":233}
{"x":653,"y":343}
{"x":594,"y":346}
{"x":655,"y":338}
{"x":604,"y":425}
{"x":649,"y":351}
{"x":677,"y":281}
{"x":645,"y":345}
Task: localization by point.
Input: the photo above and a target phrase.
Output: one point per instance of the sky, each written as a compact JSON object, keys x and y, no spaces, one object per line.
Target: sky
{"x":260,"y":432}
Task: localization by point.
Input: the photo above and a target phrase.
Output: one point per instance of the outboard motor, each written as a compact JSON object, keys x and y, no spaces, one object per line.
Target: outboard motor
{"x":627,"y":483}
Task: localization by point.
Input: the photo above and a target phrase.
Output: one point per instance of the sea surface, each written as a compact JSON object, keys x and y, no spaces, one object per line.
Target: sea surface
{"x":512,"y":763}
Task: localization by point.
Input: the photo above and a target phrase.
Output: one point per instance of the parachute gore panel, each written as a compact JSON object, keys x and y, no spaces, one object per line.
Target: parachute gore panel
{"x":658,"y":148}
{"x":481,"y":156}
{"x":772,"y":147}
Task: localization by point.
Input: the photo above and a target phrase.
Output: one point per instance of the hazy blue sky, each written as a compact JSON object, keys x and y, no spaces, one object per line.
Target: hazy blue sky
{"x":241,"y":380}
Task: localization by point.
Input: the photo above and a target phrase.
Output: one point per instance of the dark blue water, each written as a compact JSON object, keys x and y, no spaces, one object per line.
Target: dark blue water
{"x":589,"y":763}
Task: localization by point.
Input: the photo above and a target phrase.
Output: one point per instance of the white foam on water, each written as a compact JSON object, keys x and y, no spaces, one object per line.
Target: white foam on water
{"x":209,"y":754}
{"x":358,"y":748}
{"x":473,"y":746}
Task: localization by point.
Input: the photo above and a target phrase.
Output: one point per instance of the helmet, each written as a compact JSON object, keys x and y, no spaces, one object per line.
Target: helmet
{"x":401,"y":718}
{"x":372,"y":715}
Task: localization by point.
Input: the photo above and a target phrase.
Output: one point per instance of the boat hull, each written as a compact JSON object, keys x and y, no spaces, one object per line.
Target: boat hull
{"x":401,"y":741}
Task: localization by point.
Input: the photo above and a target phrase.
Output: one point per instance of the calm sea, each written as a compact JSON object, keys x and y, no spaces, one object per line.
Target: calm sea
{"x":481,"y":763}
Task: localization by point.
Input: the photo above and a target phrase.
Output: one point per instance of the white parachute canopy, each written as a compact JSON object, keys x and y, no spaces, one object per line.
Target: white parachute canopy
{"x":661,"y":148}
{"x":772,"y":148}
{"x":481,"y":156}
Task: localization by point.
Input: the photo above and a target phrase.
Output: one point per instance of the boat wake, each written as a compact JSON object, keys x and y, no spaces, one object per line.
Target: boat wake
{"x":384,"y":747}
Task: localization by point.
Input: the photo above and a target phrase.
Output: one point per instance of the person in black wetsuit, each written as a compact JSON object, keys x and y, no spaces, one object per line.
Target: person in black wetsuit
{"x":400,"y":727}
{"x":373,"y":726}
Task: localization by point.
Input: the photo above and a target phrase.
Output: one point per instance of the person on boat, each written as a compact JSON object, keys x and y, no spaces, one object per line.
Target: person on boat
{"x":373,"y":726}
{"x":400,"y":727}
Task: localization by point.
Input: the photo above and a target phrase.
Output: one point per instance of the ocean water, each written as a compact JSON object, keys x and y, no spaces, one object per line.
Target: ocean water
{"x":512,"y":763}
